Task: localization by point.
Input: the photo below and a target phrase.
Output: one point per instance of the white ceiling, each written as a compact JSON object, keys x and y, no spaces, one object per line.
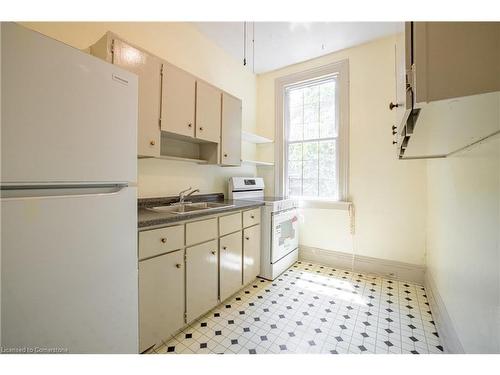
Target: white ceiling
{"x":278,"y":44}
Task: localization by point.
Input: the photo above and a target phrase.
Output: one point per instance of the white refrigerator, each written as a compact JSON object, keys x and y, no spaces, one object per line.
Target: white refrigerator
{"x":68,"y":199}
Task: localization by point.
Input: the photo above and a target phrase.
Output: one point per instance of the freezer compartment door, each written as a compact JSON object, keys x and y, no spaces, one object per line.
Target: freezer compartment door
{"x":66,"y":116}
{"x":69,"y":271}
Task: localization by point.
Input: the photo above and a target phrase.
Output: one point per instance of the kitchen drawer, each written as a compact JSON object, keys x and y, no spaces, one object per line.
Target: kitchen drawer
{"x":201,"y":231}
{"x":158,"y":241}
{"x":251,"y":217}
{"x":229,"y":223}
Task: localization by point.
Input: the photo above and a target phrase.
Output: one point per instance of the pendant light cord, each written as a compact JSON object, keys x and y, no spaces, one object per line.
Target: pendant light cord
{"x":244,"y":43}
{"x":253,"y":47}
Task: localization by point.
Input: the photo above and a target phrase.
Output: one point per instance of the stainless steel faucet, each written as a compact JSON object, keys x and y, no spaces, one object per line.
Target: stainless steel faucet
{"x":183,"y":195}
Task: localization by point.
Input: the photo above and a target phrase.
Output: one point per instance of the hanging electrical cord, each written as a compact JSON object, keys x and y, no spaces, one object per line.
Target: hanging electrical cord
{"x":352,"y":230}
{"x":253,"y":47}
{"x":244,"y":43}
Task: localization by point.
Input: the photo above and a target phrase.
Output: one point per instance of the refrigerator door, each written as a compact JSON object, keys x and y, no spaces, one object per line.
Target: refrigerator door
{"x":66,"y":116}
{"x":69,"y":270}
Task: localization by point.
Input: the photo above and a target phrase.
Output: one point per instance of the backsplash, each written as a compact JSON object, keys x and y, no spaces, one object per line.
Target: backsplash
{"x":160,"y":178}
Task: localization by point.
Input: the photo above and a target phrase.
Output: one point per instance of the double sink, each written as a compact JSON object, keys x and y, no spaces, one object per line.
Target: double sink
{"x":188,"y":207}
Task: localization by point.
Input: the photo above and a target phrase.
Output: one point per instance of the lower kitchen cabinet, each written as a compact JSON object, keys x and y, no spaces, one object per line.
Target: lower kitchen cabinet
{"x":231,"y":260}
{"x":161,"y":298}
{"x":251,"y":253}
{"x":201,"y":279}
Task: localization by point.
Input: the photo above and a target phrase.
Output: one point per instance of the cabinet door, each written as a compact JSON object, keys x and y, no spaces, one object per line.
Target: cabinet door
{"x":178,"y":100}
{"x":251,"y":253}
{"x":201,"y":279}
{"x":231,"y":264}
{"x":208,"y":112}
{"x":148,"y":68}
{"x":400,"y":70}
{"x":161,"y":298}
{"x":231,"y":130}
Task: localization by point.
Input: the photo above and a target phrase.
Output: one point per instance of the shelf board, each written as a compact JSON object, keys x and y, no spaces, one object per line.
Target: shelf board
{"x":176,"y":158}
{"x":258,"y":163}
{"x":254,"y":138}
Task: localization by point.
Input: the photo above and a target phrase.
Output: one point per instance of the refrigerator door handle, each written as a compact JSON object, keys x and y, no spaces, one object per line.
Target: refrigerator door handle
{"x":59,"y":191}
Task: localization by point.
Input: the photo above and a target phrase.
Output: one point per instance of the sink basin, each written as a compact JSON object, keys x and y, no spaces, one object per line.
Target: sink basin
{"x":186,"y":208}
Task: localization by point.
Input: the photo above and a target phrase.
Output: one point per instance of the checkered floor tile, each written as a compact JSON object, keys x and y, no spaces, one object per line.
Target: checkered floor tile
{"x":312,"y":308}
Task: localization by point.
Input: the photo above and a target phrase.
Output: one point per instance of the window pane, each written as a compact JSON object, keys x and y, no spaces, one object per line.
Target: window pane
{"x":296,"y":123}
{"x":328,"y":183}
{"x":310,"y":150}
{"x":311,"y":94}
{"x":295,"y":151}
{"x":294,"y":169}
{"x":327,"y":93}
{"x":327,"y":110}
{"x":295,"y":187}
{"x":328,"y":188}
{"x":311,"y":165}
{"x":310,"y":187}
{"x":311,"y":121}
{"x":295,"y":97}
{"x":310,"y":169}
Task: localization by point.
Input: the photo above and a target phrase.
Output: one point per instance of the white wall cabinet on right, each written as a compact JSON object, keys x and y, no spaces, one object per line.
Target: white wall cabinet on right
{"x":251,"y":253}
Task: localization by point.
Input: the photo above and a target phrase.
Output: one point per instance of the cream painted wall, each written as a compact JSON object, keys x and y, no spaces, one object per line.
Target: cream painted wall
{"x":182,"y":45}
{"x":389,"y":195}
{"x":463,"y":246}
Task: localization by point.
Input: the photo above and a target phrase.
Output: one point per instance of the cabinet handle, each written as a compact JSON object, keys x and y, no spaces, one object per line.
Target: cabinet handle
{"x":213,"y":252}
{"x":225,"y":155}
{"x":163,"y":240}
{"x":394,"y":127}
{"x":392,"y":106}
{"x":190,"y":125}
{"x":224,"y":248}
{"x":178,"y":265}
{"x":201,"y":128}
{"x":394,"y":142}
{"x":247,"y":238}
{"x":152,"y":143}
{"x":252,"y":217}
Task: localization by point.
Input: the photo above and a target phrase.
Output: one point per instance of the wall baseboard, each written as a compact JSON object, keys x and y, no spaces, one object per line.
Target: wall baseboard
{"x":447,"y":333}
{"x":381,"y":267}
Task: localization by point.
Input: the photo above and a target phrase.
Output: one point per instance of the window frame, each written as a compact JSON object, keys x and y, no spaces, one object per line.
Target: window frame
{"x":340,"y":70}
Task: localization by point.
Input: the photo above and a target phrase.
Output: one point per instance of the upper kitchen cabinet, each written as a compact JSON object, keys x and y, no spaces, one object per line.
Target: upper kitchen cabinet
{"x":231,"y":130}
{"x":148,"y":69}
{"x":208,"y":112}
{"x":181,"y":117}
{"x":178,"y":101}
{"x":448,"y":87}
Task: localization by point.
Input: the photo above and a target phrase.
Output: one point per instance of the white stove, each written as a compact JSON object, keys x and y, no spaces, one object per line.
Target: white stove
{"x":280,"y":225}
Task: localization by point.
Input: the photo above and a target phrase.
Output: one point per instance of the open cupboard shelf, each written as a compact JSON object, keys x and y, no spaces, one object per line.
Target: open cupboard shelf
{"x":254,"y":138}
{"x":177,"y":158}
{"x":258,"y":163}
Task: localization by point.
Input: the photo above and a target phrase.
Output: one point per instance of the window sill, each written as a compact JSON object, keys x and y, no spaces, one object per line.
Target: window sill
{"x":324,"y":204}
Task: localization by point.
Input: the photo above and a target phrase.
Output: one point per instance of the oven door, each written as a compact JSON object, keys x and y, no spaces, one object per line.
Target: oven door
{"x":285,"y":234}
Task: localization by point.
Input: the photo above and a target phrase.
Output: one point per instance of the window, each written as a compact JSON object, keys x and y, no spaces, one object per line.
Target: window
{"x":311,"y":140}
{"x":312,"y":133}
